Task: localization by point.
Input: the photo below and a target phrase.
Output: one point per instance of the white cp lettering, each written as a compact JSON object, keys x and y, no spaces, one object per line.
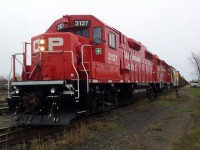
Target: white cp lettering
{"x":54,"y":42}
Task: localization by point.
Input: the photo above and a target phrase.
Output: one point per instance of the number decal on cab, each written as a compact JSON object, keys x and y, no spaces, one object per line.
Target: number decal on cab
{"x":82,"y":23}
{"x":112,"y":57}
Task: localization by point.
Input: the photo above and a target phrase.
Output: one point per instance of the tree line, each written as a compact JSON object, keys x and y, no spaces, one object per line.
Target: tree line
{"x":194,"y":60}
{"x":3,"y":83}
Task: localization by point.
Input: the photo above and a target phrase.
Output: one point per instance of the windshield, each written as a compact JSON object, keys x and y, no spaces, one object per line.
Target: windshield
{"x":79,"y":31}
{"x":84,"y":33}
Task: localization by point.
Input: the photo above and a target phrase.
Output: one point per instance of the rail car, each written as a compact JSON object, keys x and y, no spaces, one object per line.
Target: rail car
{"x":81,"y":65}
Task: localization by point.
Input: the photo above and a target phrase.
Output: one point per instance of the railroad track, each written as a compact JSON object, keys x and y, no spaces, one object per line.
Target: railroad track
{"x":4,"y":110}
{"x":19,"y":134}
{"x":2,"y":104}
{"x":9,"y":129}
{"x":6,"y":132}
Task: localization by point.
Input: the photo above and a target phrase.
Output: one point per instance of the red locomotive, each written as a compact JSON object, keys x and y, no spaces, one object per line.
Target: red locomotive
{"x":79,"y":66}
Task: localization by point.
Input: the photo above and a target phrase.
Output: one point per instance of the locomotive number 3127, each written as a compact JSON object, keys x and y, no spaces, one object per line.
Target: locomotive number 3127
{"x":82,"y":23}
{"x":112,"y":57}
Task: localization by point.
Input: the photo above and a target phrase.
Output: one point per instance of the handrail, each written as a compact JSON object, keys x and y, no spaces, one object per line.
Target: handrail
{"x":78,"y":79}
{"x":19,"y":62}
{"x":59,"y":51}
{"x":9,"y":77}
{"x":13,"y":58}
{"x":13,"y":62}
{"x":25,"y":53}
{"x":82,"y":62}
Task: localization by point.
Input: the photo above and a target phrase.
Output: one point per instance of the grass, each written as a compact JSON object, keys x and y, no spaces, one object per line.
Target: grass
{"x":175,"y":112}
{"x":113,"y":126}
{"x":143,"y":106}
{"x":171,"y":99}
{"x":196,"y":92}
{"x":166,"y":103}
{"x":192,"y":141}
{"x":167,"y":100}
{"x":195,"y":109}
{"x":74,"y":136}
{"x":189,"y":142}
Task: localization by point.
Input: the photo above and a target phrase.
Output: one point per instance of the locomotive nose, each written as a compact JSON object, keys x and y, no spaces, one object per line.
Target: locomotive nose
{"x":55,"y":54}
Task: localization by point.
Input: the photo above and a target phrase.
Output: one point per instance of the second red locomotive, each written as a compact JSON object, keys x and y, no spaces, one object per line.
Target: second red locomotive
{"x":79,"y":66}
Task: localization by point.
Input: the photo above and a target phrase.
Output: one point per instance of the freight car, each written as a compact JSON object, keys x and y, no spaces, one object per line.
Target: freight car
{"x":81,"y":65}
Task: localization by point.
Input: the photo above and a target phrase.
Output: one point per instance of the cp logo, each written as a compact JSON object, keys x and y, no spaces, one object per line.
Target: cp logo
{"x":52,"y":42}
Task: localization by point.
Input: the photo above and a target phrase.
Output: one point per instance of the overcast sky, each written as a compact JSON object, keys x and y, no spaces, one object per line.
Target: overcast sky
{"x":168,"y":28}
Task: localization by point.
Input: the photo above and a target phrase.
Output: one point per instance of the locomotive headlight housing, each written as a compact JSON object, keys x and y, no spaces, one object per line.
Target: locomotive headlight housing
{"x":53,"y":90}
{"x":42,"y":44}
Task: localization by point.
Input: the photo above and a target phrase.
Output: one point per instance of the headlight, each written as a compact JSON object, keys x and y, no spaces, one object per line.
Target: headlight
{"x":53,"y":90}
{"x":42,"y":45}
{"x":42,"y":48}
{"x":17,"y":91}
{"x":42,"y":41}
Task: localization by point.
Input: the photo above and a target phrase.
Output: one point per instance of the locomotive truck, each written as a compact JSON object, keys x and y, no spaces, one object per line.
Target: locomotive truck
{"x":79,"y":66}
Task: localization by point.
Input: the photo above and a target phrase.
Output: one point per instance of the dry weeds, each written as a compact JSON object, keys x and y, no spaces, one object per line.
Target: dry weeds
{"x":76,"y":135}
{"x":143,"y":106}
{"x":155,"y":127}
{"x":3,"y":95}
{"x":192,"y":141}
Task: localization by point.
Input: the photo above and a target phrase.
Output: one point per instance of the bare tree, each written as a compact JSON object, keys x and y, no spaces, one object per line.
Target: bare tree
{"x":195,"y":62}
{"x":3,"y":82}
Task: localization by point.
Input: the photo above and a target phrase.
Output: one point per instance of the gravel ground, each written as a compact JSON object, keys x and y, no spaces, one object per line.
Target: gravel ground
{"x":153,"y":127}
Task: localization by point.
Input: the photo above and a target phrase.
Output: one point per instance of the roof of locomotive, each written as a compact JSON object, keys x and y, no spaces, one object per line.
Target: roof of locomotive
{"x":69,"y":18}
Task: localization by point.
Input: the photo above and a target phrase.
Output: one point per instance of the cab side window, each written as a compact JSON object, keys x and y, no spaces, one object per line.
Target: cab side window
{"x":112,"y":40}
{"x":97,"y":35}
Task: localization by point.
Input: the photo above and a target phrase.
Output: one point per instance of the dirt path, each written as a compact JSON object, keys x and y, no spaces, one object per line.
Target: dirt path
{"x":156,"y":126}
